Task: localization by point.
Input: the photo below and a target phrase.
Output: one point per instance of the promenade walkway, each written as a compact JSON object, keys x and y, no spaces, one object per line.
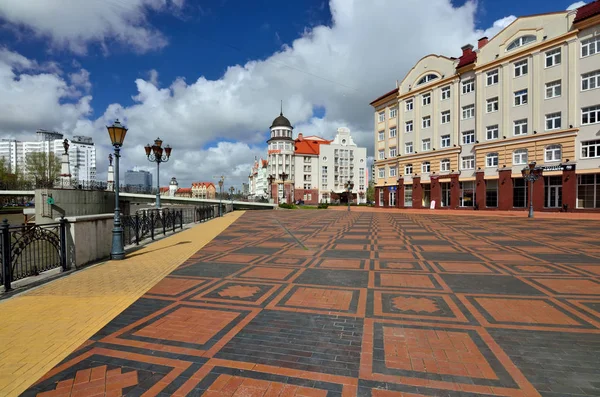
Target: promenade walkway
{"x":331,"y":303}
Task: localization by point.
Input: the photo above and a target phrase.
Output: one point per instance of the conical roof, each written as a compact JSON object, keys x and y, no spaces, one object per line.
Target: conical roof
{"x":281,"y":121}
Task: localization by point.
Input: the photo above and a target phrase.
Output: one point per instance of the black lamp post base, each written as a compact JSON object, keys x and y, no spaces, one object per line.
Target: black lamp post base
{"x":117,"y":251}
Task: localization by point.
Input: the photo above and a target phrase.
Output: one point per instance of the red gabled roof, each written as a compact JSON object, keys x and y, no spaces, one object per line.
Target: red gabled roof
{"x":265,"y":163}
{"x":201,"y":184}
{"x":395,"y":90}
{"x":466,"y":59}
{"x":587,"y":11}
{"x":309,"y":146}
{"x":184,"y":190}
{"x":164,"y":189}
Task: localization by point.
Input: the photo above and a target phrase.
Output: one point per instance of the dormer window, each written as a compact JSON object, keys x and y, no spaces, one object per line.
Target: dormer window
{"x":521,"y":41}
{"x":427,"y":79}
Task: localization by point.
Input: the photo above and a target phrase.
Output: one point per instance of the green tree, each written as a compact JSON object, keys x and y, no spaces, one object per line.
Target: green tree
{"x":371,"y":192}
{"x":43,"y":169}
{"x":9,"y":180}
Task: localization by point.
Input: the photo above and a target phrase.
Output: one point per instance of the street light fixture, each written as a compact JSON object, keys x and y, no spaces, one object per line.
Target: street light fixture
{"x":531,"y":173}
{"x":231,"y":191}
{"x":117,"y":133}
{"x":270,"y":179}
{"x":283,"y":177}
{"x":349,"y":186}
{"x":221,"y":181}
{"x":155,"y":154}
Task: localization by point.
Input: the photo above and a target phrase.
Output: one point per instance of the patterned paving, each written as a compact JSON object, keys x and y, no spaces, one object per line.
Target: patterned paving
{"x":327,"y":303}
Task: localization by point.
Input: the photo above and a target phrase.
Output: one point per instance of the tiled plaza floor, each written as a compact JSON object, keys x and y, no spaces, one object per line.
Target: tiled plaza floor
{"x":330,"y":303}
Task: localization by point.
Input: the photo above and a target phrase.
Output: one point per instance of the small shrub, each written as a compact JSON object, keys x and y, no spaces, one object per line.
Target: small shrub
{"x":323,"y":206}
{"x":287,"y":206}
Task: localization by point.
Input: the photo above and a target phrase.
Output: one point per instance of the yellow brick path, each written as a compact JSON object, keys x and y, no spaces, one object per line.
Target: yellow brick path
{"x":41,"y":327}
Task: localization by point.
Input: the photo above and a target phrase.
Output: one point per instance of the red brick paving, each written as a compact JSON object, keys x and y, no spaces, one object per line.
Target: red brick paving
{"x":371,"y":303}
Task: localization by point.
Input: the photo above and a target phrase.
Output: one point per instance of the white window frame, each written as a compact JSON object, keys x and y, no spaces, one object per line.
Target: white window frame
{"x":445,"y":165}
{"x":393,"y":132}
{"x":520,"y":127}
{"x":470,"y":135}
{"x":492,"y":77}
{"x":591,"y":80}
{"x":445,"y":93}
{"x":426,"y":122}
{"x":381,"y":172}
{"x":445,"y":117}
{"x":495,"y":132}
{"x":520,"y":156}
{"x":445,"y":141}
{"x":553,"y":89}
{"x":408,"y":126}
{"x":426,"y":167}
{"x":491,"y":105}
{"x":393,"y":112}
{"x":468,"y":86}
{"x":590,"y":115}
{"x":552,"y":153}
{"x":521,"y":97}
{"x":521,"y":41}
{"x":521,"y":68}
{"x":381,"y":135}
{"x":393,"y":152}
{"x":467,"y":163}
{"x":426,"y":144}
{"x":590,"y":46}
{"x":407,"y":146}
{"x":393,"y":172}
{"x":468,"y":112}
{"x":426,"y":99}
{"x":553,"y":57}
{"x":409,"y":105}
{"x":381,"y":154}
{"x":408,"y":169}
{"x":587,"y":145}
{"x":491,"y":160}
{"x":553,"y":121}
{"x":381,"y":117}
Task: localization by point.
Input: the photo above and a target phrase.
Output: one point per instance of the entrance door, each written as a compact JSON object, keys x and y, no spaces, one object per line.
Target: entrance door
{"x":392,"y":198}
{"x":426,"y":195}
{"x":445,"y":194}
{"x":553,"y":192}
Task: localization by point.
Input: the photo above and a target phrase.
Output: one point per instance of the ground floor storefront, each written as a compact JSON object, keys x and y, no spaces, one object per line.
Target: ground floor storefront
{"x":563,"y":190}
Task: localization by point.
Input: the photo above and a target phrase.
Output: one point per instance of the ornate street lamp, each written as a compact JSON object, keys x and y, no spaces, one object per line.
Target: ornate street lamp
{"x":231,"y":191}
{"x":283,"y":177}
{"x":155,"y":154}
{"x":221,"y":181}
{"x":270,"y":179}
{"x":349,"y":186}
{"x":117,"y":133}
{"x":531,"y":173}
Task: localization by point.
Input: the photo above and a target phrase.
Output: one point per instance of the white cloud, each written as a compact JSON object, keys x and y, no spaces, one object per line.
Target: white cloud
{"x":576,"y":5}
{"x":75,"y":23}
{"x":340,"y":68}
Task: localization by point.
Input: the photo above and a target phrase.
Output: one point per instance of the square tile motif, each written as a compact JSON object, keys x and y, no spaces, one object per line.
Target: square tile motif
{"x":533,"y":269}
{"x":437,"y":354}
{"x":237,"y":258}
{"x":532,"y":312}
{"x":238,"y":292}
{"x":488,"y":284}
{"x":268,"y":273}
{"x":175,"y":286}
{"x":285,"y":261}
{"x":408,"y":281}
{"x":464,"y":267}
{"x":417,"y":306}
{"x":314,"y":299}
{"x":209,"y":270}
{"x":399,"y":265}
{"x":337,"y":278}
{"x":569,"y":286}
{"x":340,"y":264}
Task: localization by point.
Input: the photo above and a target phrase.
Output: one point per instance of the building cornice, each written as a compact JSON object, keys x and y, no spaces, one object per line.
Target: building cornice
{"x":437,"y":84}
{"x":527,"y":138}
{"x":430,"y":153}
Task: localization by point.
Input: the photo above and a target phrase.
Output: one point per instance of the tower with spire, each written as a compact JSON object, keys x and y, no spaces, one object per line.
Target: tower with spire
{"x":281,"y":159}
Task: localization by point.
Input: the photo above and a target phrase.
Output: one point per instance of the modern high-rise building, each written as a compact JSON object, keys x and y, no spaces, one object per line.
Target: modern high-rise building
{"x":138,"y":181}
{"x":459,"y":132}
{"x":82,"y":157}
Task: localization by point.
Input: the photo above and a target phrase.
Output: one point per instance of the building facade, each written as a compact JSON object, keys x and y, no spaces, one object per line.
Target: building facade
{"x":316,"y":169}
{"x":257,"y":180}
{"x":456,"y":133}
{"x":138,"y":181}
{"x":82,"y":157}
{"x":204,"y":190}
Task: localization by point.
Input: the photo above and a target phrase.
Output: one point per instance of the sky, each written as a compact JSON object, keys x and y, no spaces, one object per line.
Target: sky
{"x":207,"y":76}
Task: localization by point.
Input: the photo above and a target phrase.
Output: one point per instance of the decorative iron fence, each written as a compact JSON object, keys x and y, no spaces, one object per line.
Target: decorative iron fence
{"x":28,"y":250}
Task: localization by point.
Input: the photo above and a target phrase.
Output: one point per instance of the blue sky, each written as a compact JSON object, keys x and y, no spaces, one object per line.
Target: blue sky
{"x":101,"y":74}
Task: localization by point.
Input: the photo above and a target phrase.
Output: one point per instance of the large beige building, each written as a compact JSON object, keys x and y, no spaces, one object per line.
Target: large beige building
{"x":459,"y":131}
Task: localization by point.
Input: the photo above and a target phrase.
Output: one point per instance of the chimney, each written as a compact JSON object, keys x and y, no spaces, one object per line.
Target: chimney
{"x":467,"y":49}
{"x":482,"y":42}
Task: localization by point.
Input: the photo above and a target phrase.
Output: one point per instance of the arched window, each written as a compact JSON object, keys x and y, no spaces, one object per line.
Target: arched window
{"x":521,"y":41}
{"x":491,"y":160}
{"x":427,"y":78}
{"x":553,"y":153}
{"x":520,"y":157}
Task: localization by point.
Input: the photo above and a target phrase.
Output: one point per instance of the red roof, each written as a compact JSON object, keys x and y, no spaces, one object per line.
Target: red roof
{"x":265,"y":163}
{"x":466,"y":59}
{"x":587,"y":11}
{"x":201,"y":184}
{"x":184,"y":190}
{"x":164,"y":189}
{"x":309,"y":146}
{"x":395,"y":90}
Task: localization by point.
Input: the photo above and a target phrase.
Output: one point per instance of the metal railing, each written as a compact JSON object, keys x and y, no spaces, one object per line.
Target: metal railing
{"x":28,"y":250}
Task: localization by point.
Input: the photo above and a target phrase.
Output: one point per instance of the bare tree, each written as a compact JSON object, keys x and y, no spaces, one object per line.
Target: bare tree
{"x":43,"y":169}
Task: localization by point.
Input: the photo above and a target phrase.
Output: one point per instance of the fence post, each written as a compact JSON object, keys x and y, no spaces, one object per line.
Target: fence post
{"x":63,"y":242}
{"x":152,"y":224}
{"x":174,"y":218}
{"x":6,"y":265}
{"x":180,"y":221}
{"x":164,"y":219}
{"x":137,"y":229}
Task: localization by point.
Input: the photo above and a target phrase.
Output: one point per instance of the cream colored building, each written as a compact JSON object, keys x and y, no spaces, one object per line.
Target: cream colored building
{"x":459,"y":131}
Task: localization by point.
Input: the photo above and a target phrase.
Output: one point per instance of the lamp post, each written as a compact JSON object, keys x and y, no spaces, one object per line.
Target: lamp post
{"x":117,"y":133}
{"x":531,"y":173}
{"x":270,"y":179}
{"x":231,"y":191}
{"x":349,"y":186}
{"x":155,"y":154}
{"x":221,"y":181}
{"x":283,"y":177}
